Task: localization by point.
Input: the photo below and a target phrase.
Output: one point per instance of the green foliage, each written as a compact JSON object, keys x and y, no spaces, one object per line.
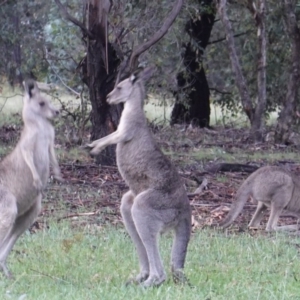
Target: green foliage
{"x":142,"y":19}
{"x":65,"y":48}
{"x":22,"y":38}
{"x":238,"y":155}
{"x":220,"y":74}
{"x":35,"y":38}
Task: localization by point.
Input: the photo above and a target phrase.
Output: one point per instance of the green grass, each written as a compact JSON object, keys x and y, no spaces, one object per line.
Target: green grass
{"x":203,"y":156}
{"x":67,"y":262}
{"x":240,"y":155}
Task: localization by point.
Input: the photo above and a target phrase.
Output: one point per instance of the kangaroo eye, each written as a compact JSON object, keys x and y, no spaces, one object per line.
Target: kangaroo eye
{"x":119,"y":88}
{"x":42,"y":103}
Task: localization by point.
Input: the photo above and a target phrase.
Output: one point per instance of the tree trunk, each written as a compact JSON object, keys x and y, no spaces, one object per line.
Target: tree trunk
{"x":195,"y":108}
{"x":255,"y":113}
{"x":192,"y":83}
{"x":99,"y":71}
{"x":239,"y":77}
{"x":258,"y":122}
{"x":15,"y":74}
{"x":287,"y":114}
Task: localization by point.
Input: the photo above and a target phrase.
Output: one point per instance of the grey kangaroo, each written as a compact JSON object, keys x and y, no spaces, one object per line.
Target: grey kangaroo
{"x":157,"y":199}
{"x":25,"y":171}
{"x":271,"y":187}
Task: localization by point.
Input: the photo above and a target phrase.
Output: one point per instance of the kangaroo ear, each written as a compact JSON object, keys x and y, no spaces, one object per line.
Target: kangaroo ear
{"x":30,"y":87}
{"x":143,"y":74}
{"x":133,"y":78}
{"x":135,"y":75}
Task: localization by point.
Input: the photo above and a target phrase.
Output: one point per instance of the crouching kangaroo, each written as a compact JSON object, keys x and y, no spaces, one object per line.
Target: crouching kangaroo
{"x":157,"y":199}
{"x":25,"y":171}
{"x":271,"y":187}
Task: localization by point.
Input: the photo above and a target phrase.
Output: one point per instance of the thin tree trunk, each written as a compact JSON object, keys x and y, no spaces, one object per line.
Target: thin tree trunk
{"x":239,"y":77}
{"x":15,"y":73}
{"x":287,"y":114}
{"x":258,"y":122}
{"x":255,"y":113}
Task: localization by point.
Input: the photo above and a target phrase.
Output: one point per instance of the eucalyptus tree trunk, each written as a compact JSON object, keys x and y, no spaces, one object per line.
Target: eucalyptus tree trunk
{"x":192,"y":83}
{"x":99,"y":69}
{"x":237,"y":70}
{"x":287,"y":113}
{"x":258,"y":121}
{"x":255,"y":113}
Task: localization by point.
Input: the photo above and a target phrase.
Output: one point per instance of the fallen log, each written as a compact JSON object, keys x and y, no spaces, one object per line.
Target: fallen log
{"x":226,"y":167}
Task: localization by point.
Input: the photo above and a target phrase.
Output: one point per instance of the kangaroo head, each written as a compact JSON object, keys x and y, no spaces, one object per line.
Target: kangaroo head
{"x":123,"y":91}
{"x":35,"y":104}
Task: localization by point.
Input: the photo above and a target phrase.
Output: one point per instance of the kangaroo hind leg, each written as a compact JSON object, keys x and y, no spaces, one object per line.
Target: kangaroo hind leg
{"x":258,"y":215}
{"x":279,"y":201}
{"x":149,"y":224}
{"x":126,"y":206}
{"x":179,"y":249}
{"x":8,"y":215}
{"x":21,"y":223}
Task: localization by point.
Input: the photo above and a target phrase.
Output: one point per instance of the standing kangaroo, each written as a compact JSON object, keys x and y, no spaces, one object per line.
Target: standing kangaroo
{"x":25,"y":171}
{"x":271,"y":187}
{"x":157,"y":199}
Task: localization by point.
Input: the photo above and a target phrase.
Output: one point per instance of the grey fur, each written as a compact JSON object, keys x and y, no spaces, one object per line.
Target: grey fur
{"x":25,"y":171}
{"x":271,"y":187}
{"x":157,"y":199}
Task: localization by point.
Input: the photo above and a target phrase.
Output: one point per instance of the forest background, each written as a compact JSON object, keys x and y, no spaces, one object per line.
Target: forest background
{"x":224,"y":101}
{"x":239,"y":55}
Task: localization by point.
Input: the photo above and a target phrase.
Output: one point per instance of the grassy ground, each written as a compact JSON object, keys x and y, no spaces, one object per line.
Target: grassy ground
{"x":65,"y":262}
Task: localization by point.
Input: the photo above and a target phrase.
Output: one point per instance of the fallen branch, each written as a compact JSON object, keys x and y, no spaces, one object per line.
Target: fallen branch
{"x":79,"y":215}
{"x":52,"y":277}
{"x":223,"y":205}
{"x":200,"y":189}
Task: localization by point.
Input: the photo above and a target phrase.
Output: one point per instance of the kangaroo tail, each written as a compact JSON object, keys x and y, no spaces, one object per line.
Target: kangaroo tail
{"x":242,"y":196}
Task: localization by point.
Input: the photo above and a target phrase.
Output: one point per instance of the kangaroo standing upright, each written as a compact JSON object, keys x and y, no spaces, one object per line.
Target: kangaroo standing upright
{"x":25,"y":171}
{"x":157,"y":199}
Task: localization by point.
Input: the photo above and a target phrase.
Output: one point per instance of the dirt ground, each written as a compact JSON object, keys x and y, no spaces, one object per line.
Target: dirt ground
{"x":91,"y":193}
